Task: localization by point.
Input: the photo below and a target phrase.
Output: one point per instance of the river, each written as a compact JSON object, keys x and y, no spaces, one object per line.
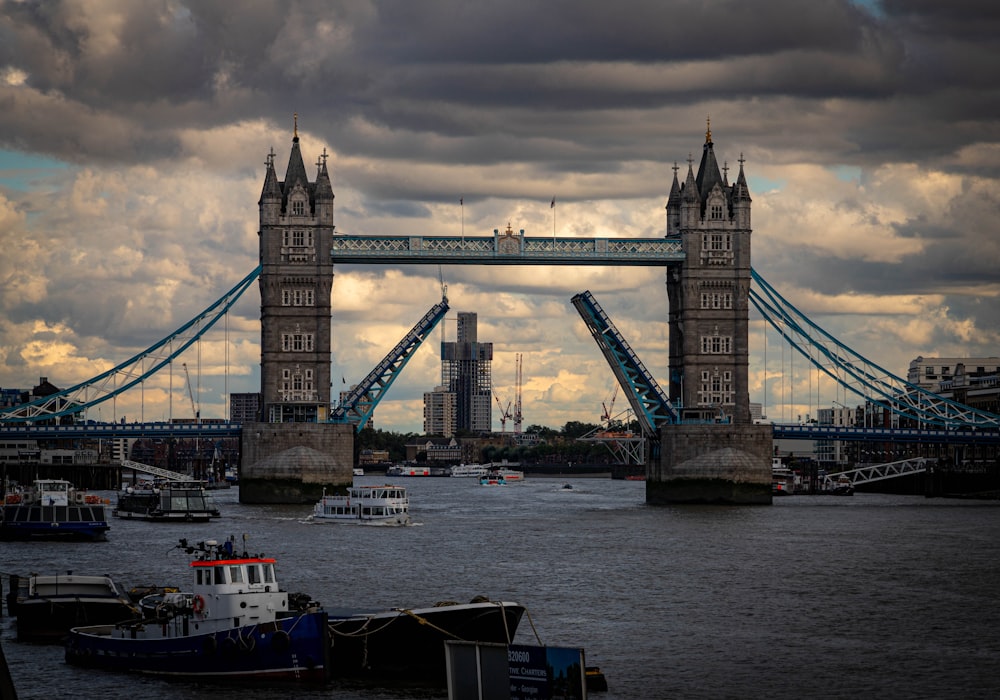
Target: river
{"x":816,"y":596}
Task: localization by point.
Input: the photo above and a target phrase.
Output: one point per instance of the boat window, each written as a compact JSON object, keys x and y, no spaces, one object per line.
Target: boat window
{"x":253,"y":574}
{"x":268,"y":573}
{"x":236,"y":574}
{"x":220,"y":574}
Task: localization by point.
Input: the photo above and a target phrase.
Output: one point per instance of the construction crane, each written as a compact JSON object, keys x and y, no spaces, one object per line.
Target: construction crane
{"x":609,"y":407}
{"x":194,"y":411}
{"x":517,"y":397}
{"x":504,"y":413}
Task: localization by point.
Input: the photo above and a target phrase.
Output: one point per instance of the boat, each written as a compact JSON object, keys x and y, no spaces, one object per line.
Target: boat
{"x":407,"y":470}
{"x":500,"y":476}
{"x":365,"y":505}
{"x":53,"y":509}
{"x":235,"y":623}
{"x":469,"y":470}
{"x":47,"y":606}
{"x":782,"y":478}
{"x":184,"y":501}
{"x":408,"y":644}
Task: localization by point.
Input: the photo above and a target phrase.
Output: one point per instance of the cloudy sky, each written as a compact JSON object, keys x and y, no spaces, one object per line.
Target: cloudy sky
{"x":133,"y":138}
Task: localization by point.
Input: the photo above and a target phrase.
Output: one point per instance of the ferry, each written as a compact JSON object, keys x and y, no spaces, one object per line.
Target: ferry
{"x":469,"y":470}
{"x":500,"y":476}
{"x":179,"y":501}
{"x":235,"y":623}
{"x":53,"y":509}
{"x":366,"y":505}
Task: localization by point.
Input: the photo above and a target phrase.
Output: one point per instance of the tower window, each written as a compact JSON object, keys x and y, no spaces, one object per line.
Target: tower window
{"x":716,"y":214}
{"x":298,"y":208}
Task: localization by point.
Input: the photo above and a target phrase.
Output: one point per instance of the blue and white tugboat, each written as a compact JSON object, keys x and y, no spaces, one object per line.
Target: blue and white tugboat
{"x":235,"y":623}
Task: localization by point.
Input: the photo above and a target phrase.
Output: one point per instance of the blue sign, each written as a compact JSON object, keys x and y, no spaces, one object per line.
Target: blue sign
{"x":540,"y":673}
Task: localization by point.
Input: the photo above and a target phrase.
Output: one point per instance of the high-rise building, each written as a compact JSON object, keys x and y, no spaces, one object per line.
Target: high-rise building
{"x":296,"y":233}
{"x":439,"y":412}
{"x":466,"y":372}
{"x":244,"y":407}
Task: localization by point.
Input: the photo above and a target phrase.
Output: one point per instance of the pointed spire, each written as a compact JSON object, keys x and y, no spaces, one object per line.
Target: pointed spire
{"x":690,"y":192}
{"x":674,"y":200}
{"x":708,"y":170}
{"x":324,"y":190}
{"x":296,"y":171}
{"x":741,"y":193}
{"x":271,"y":188}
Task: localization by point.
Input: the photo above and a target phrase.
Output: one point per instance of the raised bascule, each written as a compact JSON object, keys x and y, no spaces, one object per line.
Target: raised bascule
{"x":702,"y":444}
{"x":705,"y":447}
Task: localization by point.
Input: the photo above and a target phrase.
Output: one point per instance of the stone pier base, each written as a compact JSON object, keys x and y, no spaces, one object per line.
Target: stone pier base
{"x":711,"y":463}
{"x":293,"y":462}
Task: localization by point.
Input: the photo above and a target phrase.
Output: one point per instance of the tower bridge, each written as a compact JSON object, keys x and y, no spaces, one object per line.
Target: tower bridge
{"x":704,"y":446}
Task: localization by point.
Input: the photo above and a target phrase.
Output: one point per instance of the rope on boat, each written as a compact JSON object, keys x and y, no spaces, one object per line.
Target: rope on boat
{"x":361,"y":631}
{"x":532,"y":623}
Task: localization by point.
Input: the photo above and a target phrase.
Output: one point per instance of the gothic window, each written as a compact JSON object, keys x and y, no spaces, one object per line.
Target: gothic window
{"x":298,"y":208}
{"x":296,"y":342}
{"x":716,"y":212}
{"x":716,"y":344}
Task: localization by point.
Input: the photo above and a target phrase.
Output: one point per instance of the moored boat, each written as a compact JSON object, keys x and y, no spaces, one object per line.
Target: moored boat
{"x":366,"y":505}
{"x":166,"y":501}
{"x":47,"y":606}
{"x":234,"y":623}
{"x":53,"y":509}
{"x":408,"y":644}
{"x":469,"y":470}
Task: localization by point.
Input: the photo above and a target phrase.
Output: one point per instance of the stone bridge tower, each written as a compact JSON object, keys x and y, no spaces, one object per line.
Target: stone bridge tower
{"x":291,"y":452}
{"x":715,"y":454}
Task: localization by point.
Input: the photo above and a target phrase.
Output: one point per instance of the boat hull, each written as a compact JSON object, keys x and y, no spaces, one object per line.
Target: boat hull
{"x":70,"y":522}
{"x":50,"y":619}
{"x":292,"y":648}
{"x":408,"y":645}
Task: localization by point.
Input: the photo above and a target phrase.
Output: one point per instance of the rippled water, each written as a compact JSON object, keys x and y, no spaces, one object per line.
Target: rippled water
{"x":815,"y":596}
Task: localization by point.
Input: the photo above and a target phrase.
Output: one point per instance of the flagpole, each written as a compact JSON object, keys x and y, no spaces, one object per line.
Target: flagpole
{"x":553,"y":208}
{"x":461,"y":203}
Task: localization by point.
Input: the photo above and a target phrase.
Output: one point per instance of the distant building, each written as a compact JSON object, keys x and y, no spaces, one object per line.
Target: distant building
{"x":244,"y":407}
{"x":929,"y":372}
{"x":466,"y":371}
{"x":440,"y":409}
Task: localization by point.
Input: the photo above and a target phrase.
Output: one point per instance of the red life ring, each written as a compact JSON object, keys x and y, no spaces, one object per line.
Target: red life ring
{"x":198,"y":604}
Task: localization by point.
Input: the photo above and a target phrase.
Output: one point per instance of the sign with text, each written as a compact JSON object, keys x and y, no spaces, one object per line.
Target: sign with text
{"x":541,"y":673}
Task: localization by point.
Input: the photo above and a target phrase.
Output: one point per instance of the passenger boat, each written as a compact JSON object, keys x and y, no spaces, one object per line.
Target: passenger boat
{"x":166,"y":501}
{"x":235,"y":623}
{"x":47,"y":606}
{"x":366,"y":505}
{"x":407,"y":470}
{"x":408,"y":644}
{"x":500,"y":476}
{"x":467,"y":470}
{"x":53,"y":509}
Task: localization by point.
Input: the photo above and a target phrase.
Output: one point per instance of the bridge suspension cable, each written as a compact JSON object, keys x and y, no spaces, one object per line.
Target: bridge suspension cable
{"x":858,"y":374}
{"x":133,"y":371}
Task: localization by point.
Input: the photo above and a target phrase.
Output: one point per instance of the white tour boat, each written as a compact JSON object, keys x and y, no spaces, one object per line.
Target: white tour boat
{"x":475,"y":470}
{"x":366,"y":505}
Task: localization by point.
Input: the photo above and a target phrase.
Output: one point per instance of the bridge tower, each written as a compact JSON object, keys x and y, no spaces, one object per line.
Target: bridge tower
{"x":291,"y":448}
{"x":715,"y":454}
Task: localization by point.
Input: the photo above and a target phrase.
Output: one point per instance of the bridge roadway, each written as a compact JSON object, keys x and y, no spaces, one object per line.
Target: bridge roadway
{"x":222,"y":429}
{"x":91,"y":429}
{"x":506,"y":248}
{"x":958,"y":435}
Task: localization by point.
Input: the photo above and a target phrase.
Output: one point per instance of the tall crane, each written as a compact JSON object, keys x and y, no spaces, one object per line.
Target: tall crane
{"x":194,"y":411}
{"x":609,"y":407}
{"x":504,"y":413}
{"x":517,"y":397}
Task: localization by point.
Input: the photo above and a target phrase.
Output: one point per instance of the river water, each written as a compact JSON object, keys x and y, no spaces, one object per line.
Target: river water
{"x":816,"y":596}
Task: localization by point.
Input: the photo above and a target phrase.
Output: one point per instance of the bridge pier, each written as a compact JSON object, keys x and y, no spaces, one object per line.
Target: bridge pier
{"x":711,"y":463}
{"x":294,"y":462}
